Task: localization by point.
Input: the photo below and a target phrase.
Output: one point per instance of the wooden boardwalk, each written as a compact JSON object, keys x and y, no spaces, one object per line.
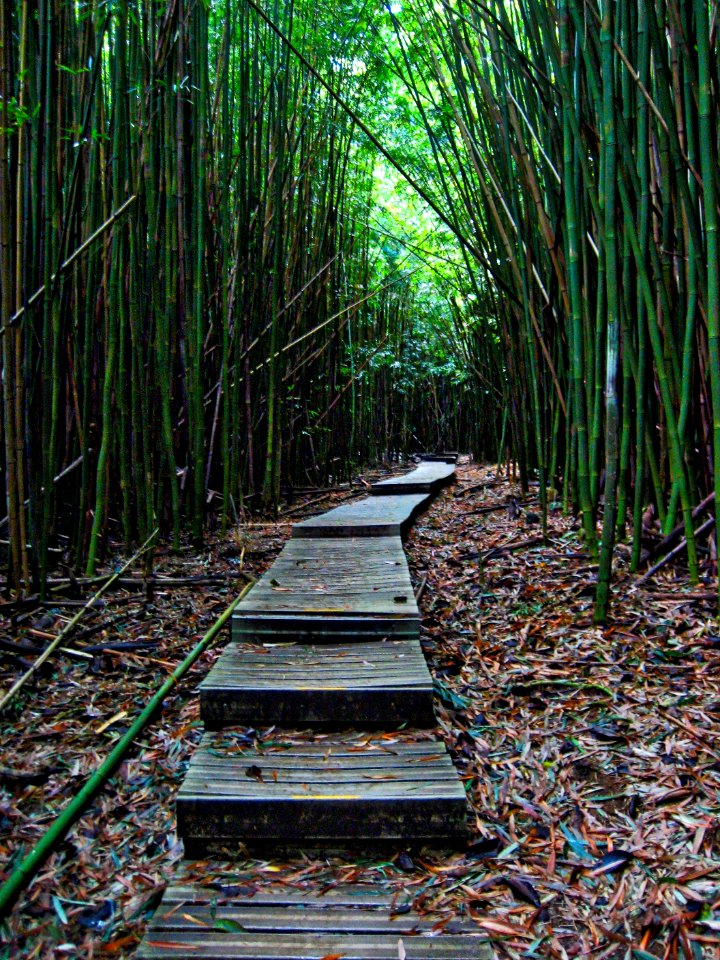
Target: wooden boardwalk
{"x":327,"y":639}
{"x":366,"y":684}
{"x":429,"y":477}
{"x":356,"y":923}
{"x":336,"y":791}
{"x":329,"y":590}
{"x":389,"y":516}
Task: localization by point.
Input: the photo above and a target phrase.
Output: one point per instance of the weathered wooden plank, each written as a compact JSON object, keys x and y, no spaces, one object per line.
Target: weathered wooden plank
{"x":311,"y":946}
{"x":384,"y":683}
{"x":275,"y":913}
{"x":330,"y":590}
{"x":372,"y":765}
{"x":343,"y":895}
{"x":449,"y":457}
{"x":362,"y":924}
{"x":428,"y":477}
{"x":393,"y":515}
{"x":408,"y":746}
{"x":214,"y":806}
{"x":304,"y":919}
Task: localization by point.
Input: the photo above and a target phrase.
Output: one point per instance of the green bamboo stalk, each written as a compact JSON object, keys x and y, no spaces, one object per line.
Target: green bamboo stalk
{"x":612,"y":418}
{"x":708,"y":161}
{"x":28,"y":867}
{"x":575,"y":329}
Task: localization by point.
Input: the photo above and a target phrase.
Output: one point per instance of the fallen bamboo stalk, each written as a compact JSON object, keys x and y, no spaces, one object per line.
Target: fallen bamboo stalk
{"x":66,"y":264}
{"x":56,"y":832}
{"x":509,"y":548}
{"x":670,"y":539}
{"x":305,"y":506}
{"x":20,"y":683}
{"x":703,"y":528}
{"x":477,"y":486}
{"x":137,"y":583}
{"x":421,"y":589}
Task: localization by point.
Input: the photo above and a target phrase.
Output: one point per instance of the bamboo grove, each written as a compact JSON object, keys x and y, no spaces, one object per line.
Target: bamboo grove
{"x":574,"y":147}
{"x":201,"y":302}
{"x":194,"y":307}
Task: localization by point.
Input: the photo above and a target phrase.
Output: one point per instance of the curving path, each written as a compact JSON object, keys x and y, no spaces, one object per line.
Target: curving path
{"x":327,"y":639}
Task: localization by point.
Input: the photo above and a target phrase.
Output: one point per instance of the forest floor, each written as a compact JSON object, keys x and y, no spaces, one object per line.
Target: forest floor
{"x":591,"y":756}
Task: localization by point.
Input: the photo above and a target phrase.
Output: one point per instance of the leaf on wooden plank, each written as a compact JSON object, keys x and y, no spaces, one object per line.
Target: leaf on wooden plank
{"x":333,"y":956}
{"x":254,"y":772}
{"x":191,"y":919}
{"x":401,"y":910}
{"x":172,"y":945}
{"x":227,"y":925}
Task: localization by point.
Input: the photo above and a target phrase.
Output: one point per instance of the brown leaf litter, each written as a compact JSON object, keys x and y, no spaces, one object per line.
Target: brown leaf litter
{"x":590,"y":756}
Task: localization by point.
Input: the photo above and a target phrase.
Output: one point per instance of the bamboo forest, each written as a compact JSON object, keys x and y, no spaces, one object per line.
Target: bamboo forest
{"x":257,"y":256}
{"x":244,"y":248}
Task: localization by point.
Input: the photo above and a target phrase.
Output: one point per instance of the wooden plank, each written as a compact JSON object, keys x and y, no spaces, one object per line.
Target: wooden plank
{"x":363,"y":684}
{"x":449,"y":457}
{"x":332,"y":590}
{"x":342,"y":895}
{"x":217,"y":803}
{"x":390,"y":516}
{"x":362,"y":924}
{"x":274,"y":912}
{"x":220,"y":945}
{"x":408,"y":744}
{"x":429,"y":477}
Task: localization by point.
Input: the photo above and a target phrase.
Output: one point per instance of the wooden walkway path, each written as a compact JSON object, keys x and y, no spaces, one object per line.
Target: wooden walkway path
{"x":356,"y":588}
{"x":327,"y":639}
{"x":354,"y":924}
{"x":389,"y":516}
{"x":363,"y":683}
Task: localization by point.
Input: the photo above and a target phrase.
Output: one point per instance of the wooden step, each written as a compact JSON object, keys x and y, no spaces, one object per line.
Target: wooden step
{"x":388,"y":516}
{"x":429,"y":477}
{"x":341,"y":685}
{"x":358,"y":923}
{"x":320,"y":789}
{"x":449,"y":457}
{"x":331,"y":590}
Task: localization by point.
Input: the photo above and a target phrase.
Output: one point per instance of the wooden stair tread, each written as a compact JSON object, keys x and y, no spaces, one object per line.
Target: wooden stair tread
{"x":278,"y":925}
{"x":355,"y":684}
{"x":450,"y":456}
{"x":429,"y":477}
{"x":331,"y":589}
{"x":411,"y":792}
{"x":392,"y":515}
